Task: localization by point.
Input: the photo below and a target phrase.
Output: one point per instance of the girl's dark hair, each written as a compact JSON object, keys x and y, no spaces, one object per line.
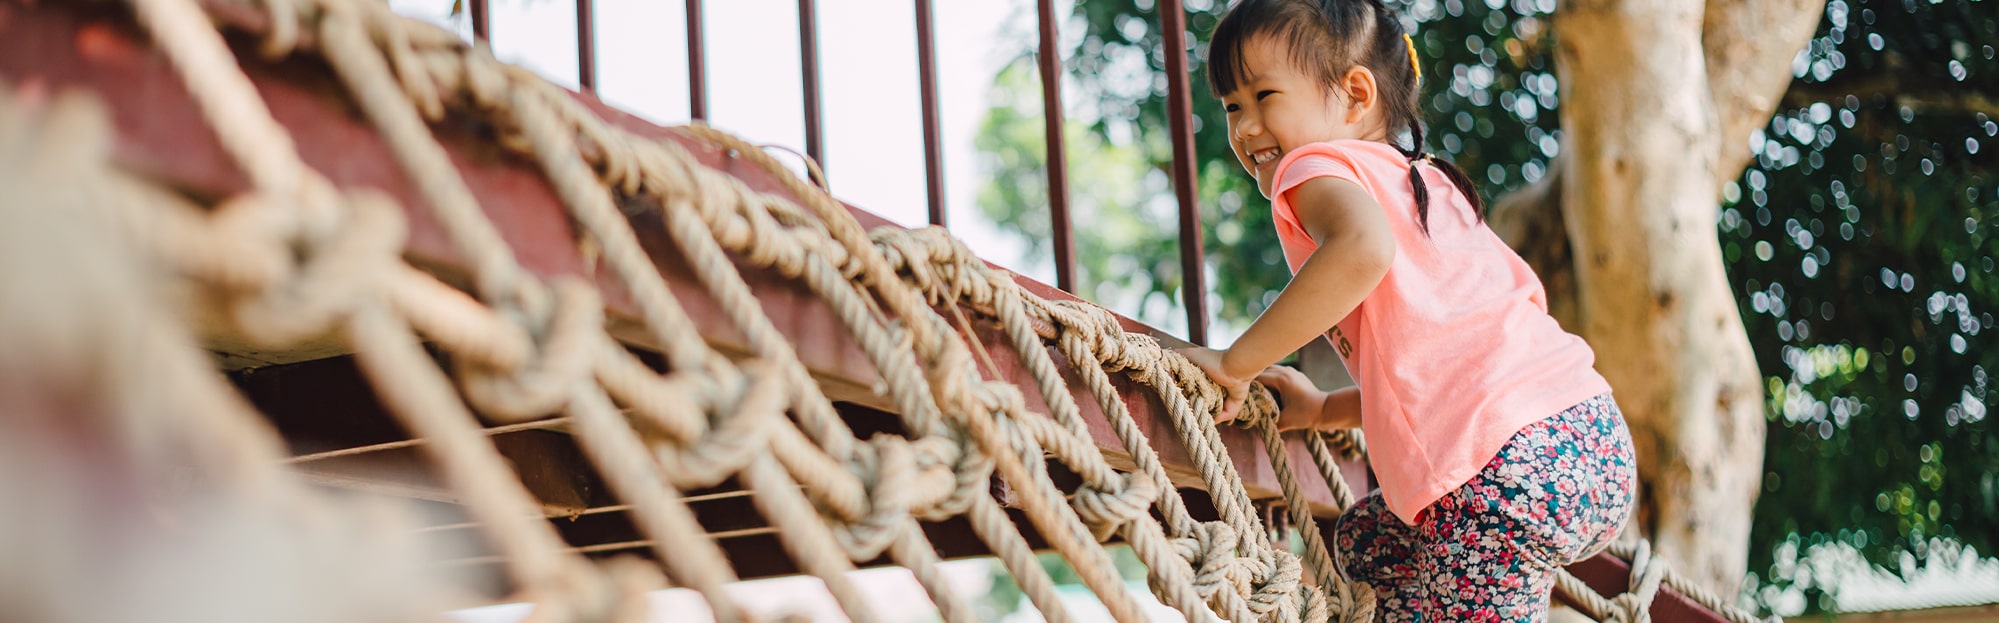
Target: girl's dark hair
{"x":1326,"y":38}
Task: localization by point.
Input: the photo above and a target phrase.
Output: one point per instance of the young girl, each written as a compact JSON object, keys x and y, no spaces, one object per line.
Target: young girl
{"x":1500,"y":453}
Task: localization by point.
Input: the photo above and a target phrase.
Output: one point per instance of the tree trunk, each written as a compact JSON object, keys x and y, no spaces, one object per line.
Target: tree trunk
{"x":1747,"y":45}
{"x":1530,"y":220}
{"x":1642,"y":141}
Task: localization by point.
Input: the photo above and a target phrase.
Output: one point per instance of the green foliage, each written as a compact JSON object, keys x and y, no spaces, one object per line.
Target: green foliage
{"x":1125,"y":115}
{"x":1116,"y":210}
{"x":1859,"y":243}
{"x":1005,"y":596}
{"x":1862,"y":249}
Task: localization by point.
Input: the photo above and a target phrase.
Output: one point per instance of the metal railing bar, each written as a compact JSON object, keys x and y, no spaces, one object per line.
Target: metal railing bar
{"x":1179,"y":110}
{"x":1058,"y":157}
{"x":586,"y":46}
{"x":933,"y":148}
{"x":545,"y":424}
{"x":482,"y":21}
{"x":808,"y":68}
{"x":594,"y":510}
{"x":611,"y":547}
{"x":697,"y":75}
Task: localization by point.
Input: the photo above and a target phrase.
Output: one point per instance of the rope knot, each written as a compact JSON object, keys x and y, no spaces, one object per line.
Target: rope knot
{"x":1273,"y":580}
{"x":1210,"y":550}
{"x":1647,"y":573}
{"x":741,"y":410}
{"x":561,"y":359}
{"x":251,"y":234}
{"x":1106,"y":510}
{"x":1261,"y":406}
{"x":339,"y":258}
{"x":896,"y":479}
{"x":1355,"y":601}
{"x":1204,"y":397}
{"x":1101,"y":333}
{"x":972,"y":471}
{"x":1314,"y":607}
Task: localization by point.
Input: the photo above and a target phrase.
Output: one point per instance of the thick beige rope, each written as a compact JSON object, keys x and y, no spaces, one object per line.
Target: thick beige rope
{"x":573,"y":189}
{"x":1631,"y":607}
{"x":1170,"y":574}
{"x":887,"y":351}
{"x":1092,"y":448}
{"x":1648,"y":574}
{"x":259,"y":146}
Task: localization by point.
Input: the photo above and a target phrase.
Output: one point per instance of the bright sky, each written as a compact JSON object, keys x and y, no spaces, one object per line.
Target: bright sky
{"x":870,"y":101}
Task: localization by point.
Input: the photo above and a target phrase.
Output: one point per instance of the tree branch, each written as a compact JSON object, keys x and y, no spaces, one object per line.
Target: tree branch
{"x":1749,"y":45}
{"x":1888,"y":83}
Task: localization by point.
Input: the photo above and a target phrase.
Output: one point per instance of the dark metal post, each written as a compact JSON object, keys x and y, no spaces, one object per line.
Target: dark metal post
{"x":482,"y":21}
{"x":1180,"y":110}
{"x":697,"y":78}
{"x":933,"y":148}
{"x":1058,"y":157}
{"x":808,"y":65}
{"x":586,"y":46}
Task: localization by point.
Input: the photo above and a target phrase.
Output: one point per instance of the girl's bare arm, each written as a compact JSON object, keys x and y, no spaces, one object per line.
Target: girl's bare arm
{"x":1305,"y":407}
{"x":1356,"y":247}
{"x":1341,"y":410}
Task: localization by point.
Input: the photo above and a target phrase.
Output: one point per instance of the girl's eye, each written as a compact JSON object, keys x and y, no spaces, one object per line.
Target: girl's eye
{"x":1230,"y":108}
{"x":1262,"y":94}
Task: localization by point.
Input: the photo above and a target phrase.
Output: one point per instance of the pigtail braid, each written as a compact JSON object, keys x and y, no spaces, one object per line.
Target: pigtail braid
{"x":1417,"y":157}
{"x":1416,"y":185}
{"x":1393,"y":44}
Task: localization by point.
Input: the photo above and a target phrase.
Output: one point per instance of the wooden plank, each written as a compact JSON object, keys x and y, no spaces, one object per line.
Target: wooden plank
{"x":324,"y":407}
{"x":1611,"y":576}
{"x":752,"y":557}
{"x":1960,"y":614}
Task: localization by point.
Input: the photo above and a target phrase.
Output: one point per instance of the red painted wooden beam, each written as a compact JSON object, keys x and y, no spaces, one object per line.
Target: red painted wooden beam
{"x":1611,"y":576}
{"x":161,"y":136}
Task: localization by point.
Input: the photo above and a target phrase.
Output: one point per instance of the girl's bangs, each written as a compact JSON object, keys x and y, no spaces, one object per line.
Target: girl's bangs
{"x":1228,"y":65}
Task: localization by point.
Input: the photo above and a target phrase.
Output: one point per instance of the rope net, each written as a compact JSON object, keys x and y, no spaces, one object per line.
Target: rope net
{"x":297,"y":259}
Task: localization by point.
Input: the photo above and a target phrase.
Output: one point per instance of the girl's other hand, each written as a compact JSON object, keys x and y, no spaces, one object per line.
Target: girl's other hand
{"x":1301,"y":399}
{"x":1234,"y":390}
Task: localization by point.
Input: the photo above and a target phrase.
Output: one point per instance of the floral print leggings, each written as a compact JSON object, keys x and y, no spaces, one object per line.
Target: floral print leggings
{"x":1558,"y":492}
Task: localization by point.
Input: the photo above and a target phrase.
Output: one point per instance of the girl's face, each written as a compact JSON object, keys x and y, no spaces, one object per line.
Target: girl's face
{"x":1276,"y":108}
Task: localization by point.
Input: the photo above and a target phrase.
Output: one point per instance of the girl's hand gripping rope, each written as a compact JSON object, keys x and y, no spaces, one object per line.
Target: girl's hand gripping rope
{"x":1300,"y":403}
{"x":1235,"y":390}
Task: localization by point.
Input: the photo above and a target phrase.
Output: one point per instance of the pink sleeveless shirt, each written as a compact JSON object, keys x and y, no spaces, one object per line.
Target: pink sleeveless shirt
{"x":1455,"y":351}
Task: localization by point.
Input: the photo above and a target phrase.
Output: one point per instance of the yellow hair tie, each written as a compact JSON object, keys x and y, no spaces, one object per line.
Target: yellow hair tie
{"x":1418,"y":67}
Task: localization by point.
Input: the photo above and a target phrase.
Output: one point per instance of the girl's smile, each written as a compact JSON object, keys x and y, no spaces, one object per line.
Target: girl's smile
{"x":1277,"y":107}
